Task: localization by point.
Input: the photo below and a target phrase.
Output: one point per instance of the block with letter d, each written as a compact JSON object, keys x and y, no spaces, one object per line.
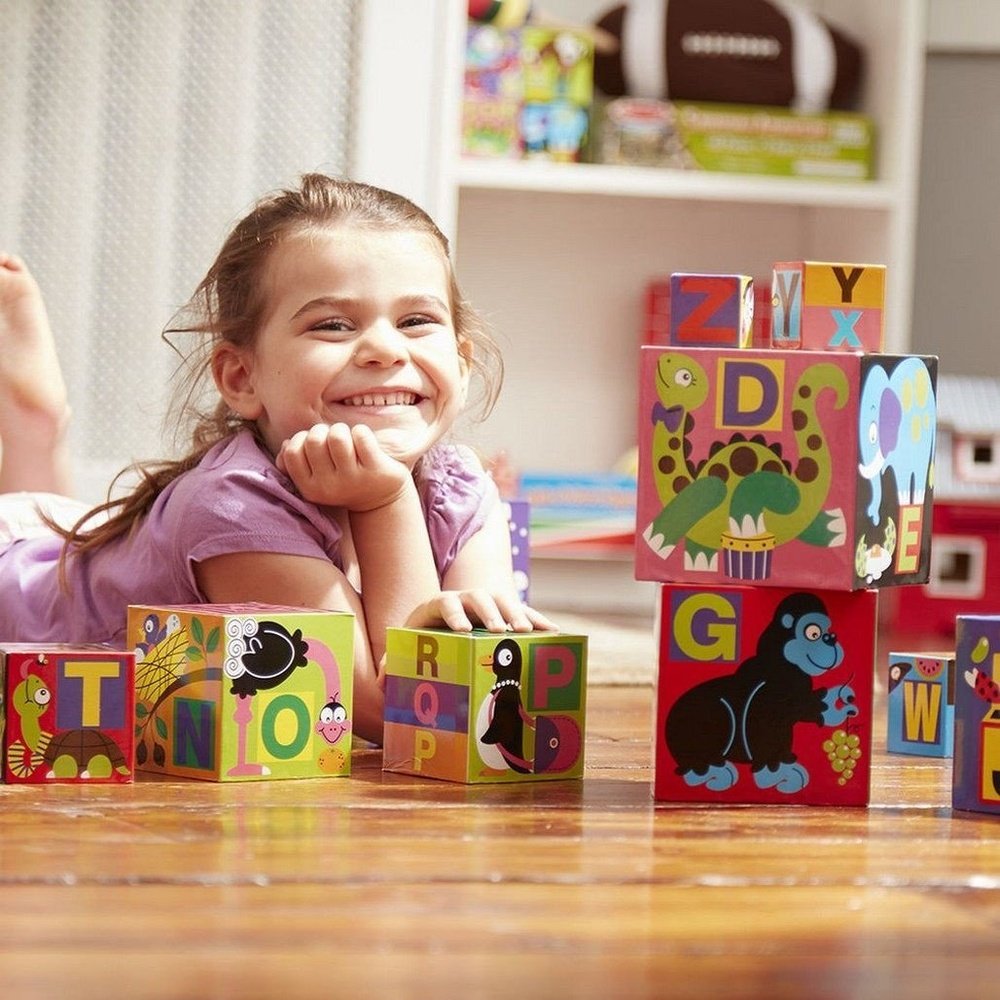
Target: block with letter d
{"x":711,"y":310}
{"x":484,"y":707}
{"x":243,"y":692}
{"x":68,"y":713}
{"x":820,"y":306}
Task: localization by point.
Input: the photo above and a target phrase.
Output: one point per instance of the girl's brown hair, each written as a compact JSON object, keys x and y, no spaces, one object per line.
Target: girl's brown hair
{"x":228,"y":305}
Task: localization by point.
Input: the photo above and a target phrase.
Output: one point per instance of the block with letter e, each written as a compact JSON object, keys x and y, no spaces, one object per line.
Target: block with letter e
{"x":484,"y":707}
{"x":68,"y":713}
{"x":822,"y":306}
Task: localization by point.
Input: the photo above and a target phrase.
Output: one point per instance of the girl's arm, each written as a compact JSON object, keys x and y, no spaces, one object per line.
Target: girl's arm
{"x":479,"y":586}
{"x":301,"y":581}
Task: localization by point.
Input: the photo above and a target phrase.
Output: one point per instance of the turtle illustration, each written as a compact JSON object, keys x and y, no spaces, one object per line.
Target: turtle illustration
{"x":745,"y":495}
{"x":84,"y":753}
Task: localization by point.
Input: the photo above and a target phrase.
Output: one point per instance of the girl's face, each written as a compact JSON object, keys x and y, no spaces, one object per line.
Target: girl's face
{"x":357,"y":330}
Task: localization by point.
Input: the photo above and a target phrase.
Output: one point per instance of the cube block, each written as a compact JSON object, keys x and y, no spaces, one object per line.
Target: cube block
{"x":764,"y":695}
{"x":785,"y":468}
{"x":821,"y":306}
{"x":976,"y":771}
{"x":711,"y":310}
{"x":482,"y":707}
{"x":243,"y":692}
{"x":921,"y":704}
{"x":69,"y":713}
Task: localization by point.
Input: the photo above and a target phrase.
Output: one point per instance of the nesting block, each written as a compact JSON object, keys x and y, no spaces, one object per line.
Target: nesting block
{"x":69,"y":713}
{"x":711,"y":310}
{"x":242,"y":692}
{"x":519,"y":523}
{"x":822,"y":306}
{"x":976,"y":771}
{"x":482,"y":707}
{"x":785,"y":468}
{"x":764,"y":695}
{"x":921,"y":704}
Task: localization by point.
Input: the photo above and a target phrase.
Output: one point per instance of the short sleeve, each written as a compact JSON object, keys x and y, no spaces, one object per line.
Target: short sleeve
{"x":458,"y":496}
{"x":240,"y":502}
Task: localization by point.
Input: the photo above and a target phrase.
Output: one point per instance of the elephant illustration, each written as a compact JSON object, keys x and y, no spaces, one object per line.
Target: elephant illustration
{"x":896,"y":428}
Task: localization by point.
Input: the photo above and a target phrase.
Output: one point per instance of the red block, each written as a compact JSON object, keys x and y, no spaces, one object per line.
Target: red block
{"x":69,"y":713}
{"x":764,"y":695}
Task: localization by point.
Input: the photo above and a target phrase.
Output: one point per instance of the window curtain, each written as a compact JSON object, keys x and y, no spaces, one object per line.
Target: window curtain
{"x":133,"y":133}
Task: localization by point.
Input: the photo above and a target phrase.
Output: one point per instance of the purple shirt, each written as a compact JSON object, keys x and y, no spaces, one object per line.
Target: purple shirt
{"x":234,"y":500}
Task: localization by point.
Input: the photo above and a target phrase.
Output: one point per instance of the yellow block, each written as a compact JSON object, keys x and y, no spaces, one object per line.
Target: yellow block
{"x":861,"y":286}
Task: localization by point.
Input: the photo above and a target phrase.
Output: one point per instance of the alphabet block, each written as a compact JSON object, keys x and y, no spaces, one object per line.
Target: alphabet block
{"x":764,"y":695}
{"x":976,"y":771}
{"x":242,"y":692}
{"x":69,"y":713}
{"x":711,"y":310}
{"x":820,"y":306}
{"x":921,"y":704}
{"x":481,"y":707}
{"x":785,"y":468}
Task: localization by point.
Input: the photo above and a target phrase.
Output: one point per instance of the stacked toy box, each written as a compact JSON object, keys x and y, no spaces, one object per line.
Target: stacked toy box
{"x":778,"y":488}
{"x":528,"y":92}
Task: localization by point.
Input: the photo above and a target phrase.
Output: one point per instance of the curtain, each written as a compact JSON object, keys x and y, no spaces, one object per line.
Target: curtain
{"x":133,"y":134}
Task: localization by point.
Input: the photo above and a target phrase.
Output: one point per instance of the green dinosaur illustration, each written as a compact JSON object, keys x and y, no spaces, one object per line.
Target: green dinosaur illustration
{"x":745,"y":488}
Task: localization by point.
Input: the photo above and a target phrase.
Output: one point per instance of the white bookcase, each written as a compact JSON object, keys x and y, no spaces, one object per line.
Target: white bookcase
{"x":557,"y":256}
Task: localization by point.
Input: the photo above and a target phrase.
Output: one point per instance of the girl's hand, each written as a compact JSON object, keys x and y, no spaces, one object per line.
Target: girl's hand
{"x":462,"y":610}
{"x":341,"y":466}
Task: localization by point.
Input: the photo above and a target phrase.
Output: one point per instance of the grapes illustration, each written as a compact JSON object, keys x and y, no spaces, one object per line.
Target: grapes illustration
{"x":843,"y":750}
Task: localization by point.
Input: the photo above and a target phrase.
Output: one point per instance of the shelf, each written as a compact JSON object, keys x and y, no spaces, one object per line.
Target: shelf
{"x":653,"y":182}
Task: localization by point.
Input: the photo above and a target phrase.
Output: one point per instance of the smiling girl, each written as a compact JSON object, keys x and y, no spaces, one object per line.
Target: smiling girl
{"x":342,"y":352}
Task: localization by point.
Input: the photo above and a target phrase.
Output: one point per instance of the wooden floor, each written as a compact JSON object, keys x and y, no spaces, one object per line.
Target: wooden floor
{"x":383,"y":885}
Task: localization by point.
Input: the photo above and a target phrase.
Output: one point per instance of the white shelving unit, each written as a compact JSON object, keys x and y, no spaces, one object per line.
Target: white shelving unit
{"x":557,"y":256}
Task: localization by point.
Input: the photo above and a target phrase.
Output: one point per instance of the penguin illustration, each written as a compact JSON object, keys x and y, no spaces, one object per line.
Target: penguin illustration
{"x":502,"y":714}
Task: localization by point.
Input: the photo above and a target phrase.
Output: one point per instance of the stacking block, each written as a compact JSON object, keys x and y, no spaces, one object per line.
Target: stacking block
{"x":519,"y":523}
{"x":976,"y":771}
{"x":711,"y":310}
{"x":240,"y":692}
{"x":821,"y":306}
{"x":482,"y":707}
{"x":921,"y":704}
{"x":69,"y":713}
{"x":764,"y":695}
{"x":786,"y":468}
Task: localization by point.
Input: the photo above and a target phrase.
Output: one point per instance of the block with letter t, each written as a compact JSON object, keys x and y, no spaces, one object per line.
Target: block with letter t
{"x":68,"y":713}
{"x":484,"y":707}
{"x":243,"y":692}
{"x":821,"y":306}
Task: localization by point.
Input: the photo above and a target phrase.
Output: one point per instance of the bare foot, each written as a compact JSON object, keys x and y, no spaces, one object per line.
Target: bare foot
{"x":33,"y":405}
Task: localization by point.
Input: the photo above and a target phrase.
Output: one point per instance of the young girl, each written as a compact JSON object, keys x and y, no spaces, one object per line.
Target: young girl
{"x":342,"y":351}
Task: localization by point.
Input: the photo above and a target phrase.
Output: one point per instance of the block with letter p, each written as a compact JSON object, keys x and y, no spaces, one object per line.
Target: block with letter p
{"x":711,"y":310}
{"x":485,"y":707}
{"x":821,"y":306}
